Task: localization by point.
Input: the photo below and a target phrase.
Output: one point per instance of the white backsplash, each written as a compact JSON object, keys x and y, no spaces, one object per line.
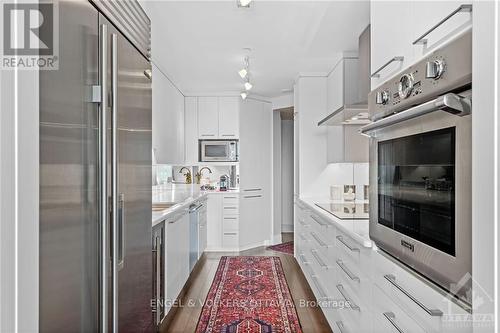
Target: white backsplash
{"x":340,"y":174}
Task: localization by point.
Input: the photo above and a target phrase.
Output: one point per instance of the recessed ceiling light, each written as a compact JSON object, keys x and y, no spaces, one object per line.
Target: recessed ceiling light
{"x":248,"y":85}
{"x":243,"y":95}
{"x":244,"y":3}
{"x":243,"y":73}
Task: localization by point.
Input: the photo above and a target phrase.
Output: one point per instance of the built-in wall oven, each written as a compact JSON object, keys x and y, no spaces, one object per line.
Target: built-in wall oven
{"x":218,"y":150}
{"x":420,"y":166}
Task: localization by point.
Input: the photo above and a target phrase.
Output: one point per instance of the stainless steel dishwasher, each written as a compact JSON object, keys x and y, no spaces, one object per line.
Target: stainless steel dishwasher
{"x":194,"y":218}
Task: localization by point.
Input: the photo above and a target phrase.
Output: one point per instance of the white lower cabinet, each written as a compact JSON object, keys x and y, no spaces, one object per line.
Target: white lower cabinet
{"x":362,"y":290}
{"x":177,"y":257}
{"x":223,"y":222}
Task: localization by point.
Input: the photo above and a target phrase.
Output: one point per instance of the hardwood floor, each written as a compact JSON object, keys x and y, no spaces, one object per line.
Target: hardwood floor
{"x":185,"y":319}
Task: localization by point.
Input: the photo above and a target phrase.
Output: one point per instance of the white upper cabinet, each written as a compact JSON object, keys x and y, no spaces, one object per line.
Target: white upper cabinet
{"x":428,"y":14}
{"x":397,"y":25}
{"x":208,"y":117}
{"x":218,"y":117}
{"x":229,"y":117}
{"x":191,"y":129}
{"x":391,"y":32}
{"x":168,"y":120}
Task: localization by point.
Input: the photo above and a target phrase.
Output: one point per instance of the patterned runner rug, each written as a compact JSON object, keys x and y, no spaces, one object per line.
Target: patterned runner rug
{"x":283,"y":247}
{"x":251,"y":295}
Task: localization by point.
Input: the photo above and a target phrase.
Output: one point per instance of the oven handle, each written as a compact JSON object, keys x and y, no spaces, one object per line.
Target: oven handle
{"x":451,"y":103}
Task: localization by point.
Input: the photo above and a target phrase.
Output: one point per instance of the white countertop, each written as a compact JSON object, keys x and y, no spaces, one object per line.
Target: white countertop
{"x":358,"y":230}
{"x":183,"y":195}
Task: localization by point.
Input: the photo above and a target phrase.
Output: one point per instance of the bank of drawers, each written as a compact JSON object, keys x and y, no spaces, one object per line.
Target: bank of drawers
{"x":230,"y":221}
{"x":339,"y":269}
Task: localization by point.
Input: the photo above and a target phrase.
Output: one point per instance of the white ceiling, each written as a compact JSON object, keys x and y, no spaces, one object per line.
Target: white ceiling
{"x":199,"y":44}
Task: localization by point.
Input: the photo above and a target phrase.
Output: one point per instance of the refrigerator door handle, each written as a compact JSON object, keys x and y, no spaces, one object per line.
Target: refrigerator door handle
{"x":103,"y":178}
{"x":114,"y":177}
{"x":121,"y":231}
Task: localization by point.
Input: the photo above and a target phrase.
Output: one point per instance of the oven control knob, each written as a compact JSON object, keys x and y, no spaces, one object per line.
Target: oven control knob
{"x":405,"y":85}
{"x":382,"y":97}
{"x":434,"y":69}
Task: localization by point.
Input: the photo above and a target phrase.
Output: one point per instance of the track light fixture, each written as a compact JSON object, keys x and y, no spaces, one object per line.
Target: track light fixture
{"x":248,"y":85}
{"x":243,"y":95}
{"x":244,"y":3}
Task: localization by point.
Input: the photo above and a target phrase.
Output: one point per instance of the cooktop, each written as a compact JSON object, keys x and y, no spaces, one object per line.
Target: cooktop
{"x":347,"y":211}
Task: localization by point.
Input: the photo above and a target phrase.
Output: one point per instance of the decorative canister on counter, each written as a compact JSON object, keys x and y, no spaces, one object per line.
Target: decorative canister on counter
{"x":349,"y":192}
{"x":336,"y":192}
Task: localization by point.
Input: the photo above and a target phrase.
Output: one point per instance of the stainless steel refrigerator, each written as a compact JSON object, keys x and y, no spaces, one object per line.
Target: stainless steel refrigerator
{"x":95,"y":172}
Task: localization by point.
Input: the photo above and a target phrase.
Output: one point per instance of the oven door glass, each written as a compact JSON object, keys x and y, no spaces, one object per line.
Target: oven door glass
{"x":216,"y":151}
{"x":416,"y":187}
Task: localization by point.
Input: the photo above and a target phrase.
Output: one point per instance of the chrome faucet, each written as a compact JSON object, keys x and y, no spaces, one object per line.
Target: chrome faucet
{"x":200,"y":173}
{"x":187,"y":175}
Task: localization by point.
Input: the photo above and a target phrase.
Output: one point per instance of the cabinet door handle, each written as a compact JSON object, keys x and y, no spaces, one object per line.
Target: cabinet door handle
{"x":341,"y":239}
{"x":376,"y":74}
{"x":433,"y":312}
{"x":342,"y":291}
{"x":319,"y":260}
{"x":351,"y":276}
{"x":208,"y":135}
{"x":228,"y":135}
{"x":231,"y":233}
{"x":252,"y":189}
{"x":461,"y":8}
{"x":320,"y":222}
{"x":391,"y":317}
{"x":252,"y":196}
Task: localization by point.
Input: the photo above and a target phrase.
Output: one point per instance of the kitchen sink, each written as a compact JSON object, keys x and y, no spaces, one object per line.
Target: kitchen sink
{"x":160,"y":206}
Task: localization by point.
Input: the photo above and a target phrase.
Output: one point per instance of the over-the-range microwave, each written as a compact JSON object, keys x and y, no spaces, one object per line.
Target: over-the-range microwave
{"x":218,"y":150}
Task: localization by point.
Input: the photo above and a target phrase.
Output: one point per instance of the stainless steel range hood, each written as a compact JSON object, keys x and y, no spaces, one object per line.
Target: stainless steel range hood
{"x":355,"y":113}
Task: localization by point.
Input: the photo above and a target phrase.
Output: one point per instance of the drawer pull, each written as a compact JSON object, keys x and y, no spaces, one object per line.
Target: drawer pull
{"x":318,"y":259}
{"x":230,"y":207}
{"x":302,"y":223}
{"x":230,"y":233}
{"x":322,"y":294}
{"x":341,"y":327}
{"x":462,"y":8}
{"x":252,"y":189}
{"x":321,"y":223}
{"x":347,"y":271}
{"x":303,"y":259}
{"x":230,"y":218}
{"x":318,"y":240}
{"x":391,"y":317}
{"x":353,"y":249}
{"x":341,"y":289}
{"x":376,"y":73}
{"x":303,"y":238}
{"x":433,"y":312}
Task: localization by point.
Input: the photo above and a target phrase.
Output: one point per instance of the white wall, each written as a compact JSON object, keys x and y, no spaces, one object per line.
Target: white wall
{"x":287,"y":175}
{"x":277,"y":190}
{"x":485,"y":164}
{"x":19,"y":184}
{"x":310,"y":107}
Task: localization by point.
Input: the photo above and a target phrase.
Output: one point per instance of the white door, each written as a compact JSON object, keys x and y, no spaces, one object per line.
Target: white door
{"x":229,"y":117}
{"x":208,"y":117}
